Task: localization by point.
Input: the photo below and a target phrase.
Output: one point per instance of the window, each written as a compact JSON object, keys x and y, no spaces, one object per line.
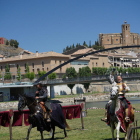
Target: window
{"x":55,"y":61}
{"x":33,"y":70}
{"x":107,"y":39}
{"x":126,"y":27}
{"x":38,"y":69}
{"x":25,"y":65}
{"x":42,"y":64}
{"x":17,"y":66}
{"x":92,"y":64}
{"x":135,"y":38}
{"x":103,"y":64}
{"x":33,"y":65}
{"x":59,"y":62}
{"x":42,"y":69}
{"x":116,"y":39}
{"x":60,"y":70}
{"x":47,"y":68}
{"x":96,"y":64}
{"x":1,"y":68}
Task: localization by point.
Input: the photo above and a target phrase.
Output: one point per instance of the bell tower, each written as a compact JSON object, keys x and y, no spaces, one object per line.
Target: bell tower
{"x":125,"y":34}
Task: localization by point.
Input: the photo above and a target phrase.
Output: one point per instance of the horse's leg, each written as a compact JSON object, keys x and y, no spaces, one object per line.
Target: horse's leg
{"x":65,"y":133}
{"x":112,"y":130}
{"x":29,"y":132}
{"x":53,"y":132}
{"x":41,"y":135}
{"x":118,"y":129}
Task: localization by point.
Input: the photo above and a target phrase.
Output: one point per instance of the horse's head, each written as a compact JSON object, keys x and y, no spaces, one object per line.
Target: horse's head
{"x":21,"y":103}
{"x":114,"y":92}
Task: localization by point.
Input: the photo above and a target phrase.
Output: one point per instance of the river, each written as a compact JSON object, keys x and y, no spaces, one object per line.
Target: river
{"x":98,"y":104}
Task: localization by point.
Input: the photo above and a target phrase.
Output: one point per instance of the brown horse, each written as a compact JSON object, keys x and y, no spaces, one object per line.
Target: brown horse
{"x":113,"y":111}
{"x":37,"y":119}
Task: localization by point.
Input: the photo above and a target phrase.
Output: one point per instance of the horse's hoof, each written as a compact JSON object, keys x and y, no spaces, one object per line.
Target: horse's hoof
{"x":66,"y":137}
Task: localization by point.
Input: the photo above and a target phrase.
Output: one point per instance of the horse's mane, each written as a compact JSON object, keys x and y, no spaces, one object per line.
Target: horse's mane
{"x":31,"y":98}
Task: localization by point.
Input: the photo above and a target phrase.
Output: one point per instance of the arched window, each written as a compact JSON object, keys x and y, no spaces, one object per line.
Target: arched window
{"x":42,"y":64}
{"x":25,"y":65}
{"x":17,"y":66}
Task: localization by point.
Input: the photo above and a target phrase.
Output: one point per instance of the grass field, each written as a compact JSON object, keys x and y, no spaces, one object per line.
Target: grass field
{"x":94,"y":129}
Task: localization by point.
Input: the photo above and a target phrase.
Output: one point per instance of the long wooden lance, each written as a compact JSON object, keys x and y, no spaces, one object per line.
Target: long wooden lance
{"x":84,"y":55}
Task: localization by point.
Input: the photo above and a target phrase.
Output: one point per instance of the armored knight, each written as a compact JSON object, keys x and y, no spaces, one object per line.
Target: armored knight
{"x":122,"y":89}
{"x":41,"y":96}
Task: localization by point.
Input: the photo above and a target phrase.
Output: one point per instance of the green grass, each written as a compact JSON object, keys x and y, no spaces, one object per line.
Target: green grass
{"x":95,"y":129}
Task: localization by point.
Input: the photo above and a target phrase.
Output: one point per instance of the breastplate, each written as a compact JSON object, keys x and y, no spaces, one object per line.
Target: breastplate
{"x":120,"y":88}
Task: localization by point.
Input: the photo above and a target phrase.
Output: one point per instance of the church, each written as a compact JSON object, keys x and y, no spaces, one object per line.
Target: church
{"x":126,"y":38}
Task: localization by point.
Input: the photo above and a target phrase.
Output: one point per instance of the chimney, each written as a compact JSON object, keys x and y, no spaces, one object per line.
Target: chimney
{"x":36,"y":53}
{"x":20,"y":56}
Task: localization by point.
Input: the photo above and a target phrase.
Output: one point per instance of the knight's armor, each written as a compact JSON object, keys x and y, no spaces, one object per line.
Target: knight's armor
{"x":122,"y":89}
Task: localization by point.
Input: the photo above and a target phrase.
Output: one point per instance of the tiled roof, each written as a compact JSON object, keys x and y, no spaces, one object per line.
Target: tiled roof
{"x":34,"y":56}
{"x":83,"y":51}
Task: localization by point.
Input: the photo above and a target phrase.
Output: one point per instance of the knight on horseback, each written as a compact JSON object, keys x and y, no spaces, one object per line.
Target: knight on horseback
{"x":123,"y":88}
{"x":42,"y":98}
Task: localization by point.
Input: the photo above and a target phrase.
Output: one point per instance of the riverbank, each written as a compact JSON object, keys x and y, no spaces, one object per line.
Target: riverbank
{"x":70,"y":99}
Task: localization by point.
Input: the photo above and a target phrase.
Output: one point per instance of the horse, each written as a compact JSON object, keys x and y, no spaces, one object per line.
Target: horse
{"x":36,"y":117}
{"x":114,"y":110}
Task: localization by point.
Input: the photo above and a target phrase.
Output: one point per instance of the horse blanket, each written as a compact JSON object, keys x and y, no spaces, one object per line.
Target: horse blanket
{"x":120,"y":113}
{"x":57,"y":118}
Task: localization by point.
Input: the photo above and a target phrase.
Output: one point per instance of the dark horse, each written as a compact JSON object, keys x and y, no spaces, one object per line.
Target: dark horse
{"x":36,"y":116}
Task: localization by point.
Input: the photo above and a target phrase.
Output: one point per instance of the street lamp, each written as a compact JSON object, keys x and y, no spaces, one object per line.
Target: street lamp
{"x":15,"y":71}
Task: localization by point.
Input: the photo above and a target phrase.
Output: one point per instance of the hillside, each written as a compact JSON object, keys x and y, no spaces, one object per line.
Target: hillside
{"x":8,"y":51}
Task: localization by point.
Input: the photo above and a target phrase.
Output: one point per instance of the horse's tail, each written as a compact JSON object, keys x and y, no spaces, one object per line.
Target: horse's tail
{"x":66,"y":124}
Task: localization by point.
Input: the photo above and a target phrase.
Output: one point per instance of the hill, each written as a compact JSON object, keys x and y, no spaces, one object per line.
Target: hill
{"x":8,"y":50}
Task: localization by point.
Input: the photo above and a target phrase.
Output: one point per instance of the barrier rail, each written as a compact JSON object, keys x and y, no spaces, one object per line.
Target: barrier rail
{"x":70,"y":112}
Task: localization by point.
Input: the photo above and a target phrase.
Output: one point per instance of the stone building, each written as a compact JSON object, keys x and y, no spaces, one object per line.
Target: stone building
{"x":119,"y":39}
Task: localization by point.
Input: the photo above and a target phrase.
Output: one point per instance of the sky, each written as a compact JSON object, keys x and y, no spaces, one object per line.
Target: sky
{"x":51,"y":25}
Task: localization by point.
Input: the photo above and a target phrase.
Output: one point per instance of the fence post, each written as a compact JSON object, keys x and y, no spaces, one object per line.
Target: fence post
{"x":10,"y":126}
{"x":82,"y":118}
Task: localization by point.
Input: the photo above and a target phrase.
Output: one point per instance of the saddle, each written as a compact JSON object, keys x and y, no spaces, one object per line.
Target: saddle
{"x":46,"y":113}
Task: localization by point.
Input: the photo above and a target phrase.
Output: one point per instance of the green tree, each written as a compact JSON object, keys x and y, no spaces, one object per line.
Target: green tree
{"x":19,"y":74}
{"x":41,"y":73}
{"x":73,"y":46}
{"x":71,"y":73}
{"x":52,"y":76}
{"x":64,"y":76}
{"x":11,"y":42}
{"x":85,"y":72}
{"x":27,"y":75}
{"x":16,"y":44}
{"x":90,"y":44}
{"x":7,"y":42}
{"x":32,"y":76}
{"x":7,"y":72}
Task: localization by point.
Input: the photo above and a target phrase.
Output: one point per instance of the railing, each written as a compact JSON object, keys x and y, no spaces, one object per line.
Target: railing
{"x":89,"y":79}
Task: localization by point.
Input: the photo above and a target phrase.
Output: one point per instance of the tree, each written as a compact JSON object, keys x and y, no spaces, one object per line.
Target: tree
{"x":7,"y":72}
{"x":64,"y":76}
{"x":52,"y":76}
{"x":27,"y":75}
{"x":90,"y":44}
{"x":7,"y":42}
{"x":85,"y":72}
{"x":11,"y":42}
{"x":71,"y":73}
{"x":41,"y":73}
{"x":73,"y":46}
{"x":16,"y":44}
{"x":32,"y":76}
{"x":19,"y":74}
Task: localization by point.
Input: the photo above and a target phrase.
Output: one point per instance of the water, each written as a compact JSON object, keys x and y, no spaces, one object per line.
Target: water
{"x":99,"y":104}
